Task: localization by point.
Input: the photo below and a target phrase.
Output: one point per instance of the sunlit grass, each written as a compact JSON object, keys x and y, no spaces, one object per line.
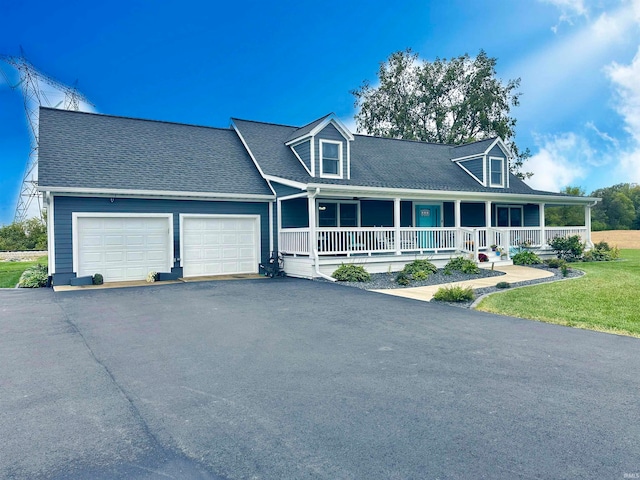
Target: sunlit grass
{"x":606,"y":298}
{"x":10,"y":271}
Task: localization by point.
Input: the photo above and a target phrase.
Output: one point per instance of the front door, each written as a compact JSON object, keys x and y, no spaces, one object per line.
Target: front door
{"x":427,"y":216}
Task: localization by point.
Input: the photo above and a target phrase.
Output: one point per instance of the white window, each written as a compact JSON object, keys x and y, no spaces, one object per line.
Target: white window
{"x":496,"y":177}
{"x":338,"y":214}
{"x":330,"y":159}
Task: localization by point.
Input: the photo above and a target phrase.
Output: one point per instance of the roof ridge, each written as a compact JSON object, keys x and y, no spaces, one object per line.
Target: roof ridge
{"x":134,"y":118}
{"x":423,"y":142}
{"x":265,"y":123}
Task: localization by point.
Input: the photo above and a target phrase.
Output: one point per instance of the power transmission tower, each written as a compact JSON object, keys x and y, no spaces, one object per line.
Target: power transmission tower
{"x":33,"y":83}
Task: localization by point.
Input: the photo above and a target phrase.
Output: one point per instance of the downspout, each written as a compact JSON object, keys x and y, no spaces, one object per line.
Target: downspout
{"x":316,"y":255}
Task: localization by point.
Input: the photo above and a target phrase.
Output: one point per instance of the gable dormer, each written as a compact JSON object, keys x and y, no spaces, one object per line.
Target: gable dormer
{"x":486,"y":161}
{"x":323,"y":147}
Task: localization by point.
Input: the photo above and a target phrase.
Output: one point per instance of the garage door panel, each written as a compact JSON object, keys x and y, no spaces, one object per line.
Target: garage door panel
{"x":219,"y":245}
{"x":123,"y":248}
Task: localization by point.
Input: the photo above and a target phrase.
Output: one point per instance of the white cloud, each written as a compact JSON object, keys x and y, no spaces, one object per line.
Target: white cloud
{"x":558,"y":162}
{"x":569,"y":9}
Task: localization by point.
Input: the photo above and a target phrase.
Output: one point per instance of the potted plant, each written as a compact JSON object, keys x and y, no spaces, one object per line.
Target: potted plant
{"x":494,"y":247}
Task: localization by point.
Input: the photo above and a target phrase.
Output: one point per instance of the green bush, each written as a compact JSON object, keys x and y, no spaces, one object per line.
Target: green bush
{"x":601,"y":252}
{"x":565,"y":270}
{"x":98,"y":279}
{"x":34,"y":277}
{"x":454,"y":294}
{"x":461,"y":264}
{"x":26,"y":235}
{"x":402,"y":278}
{"x":420,"y":266}
{"x":351,"y":273}
{"x":526,"y":257}
{"x":568,"y":248}
{"x":503,"y":285}
{"x":554,"y":262}
{"x":420,"y":275}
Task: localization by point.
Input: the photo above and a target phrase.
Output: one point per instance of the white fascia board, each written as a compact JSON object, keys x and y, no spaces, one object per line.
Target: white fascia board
{"x":460,"y":164}
{"x":292,"y":147}
{"x":349,"y":190}
{"x":344,"y":131}
{"x":155,"y":194}
{"x":497,"y":141}
{"x":255,"y":162}
{"x":288,"y":183}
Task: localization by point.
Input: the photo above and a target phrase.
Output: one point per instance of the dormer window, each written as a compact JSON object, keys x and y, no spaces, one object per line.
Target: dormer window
{"x":496,"y":176}
{"x":330,"y":159}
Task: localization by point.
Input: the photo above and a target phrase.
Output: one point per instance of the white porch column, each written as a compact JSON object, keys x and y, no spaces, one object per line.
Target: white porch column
{"x":312,"y":225}
{"x":587,"y":224}
{"x":458,"y":222}
{"x":396,"y":225}
{"x":543,"y":234}
{"x":487,"y":220}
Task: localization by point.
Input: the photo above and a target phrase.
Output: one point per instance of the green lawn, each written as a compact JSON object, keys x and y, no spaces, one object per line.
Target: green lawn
{"x":10,"y":271}
{"x":607,"y":298}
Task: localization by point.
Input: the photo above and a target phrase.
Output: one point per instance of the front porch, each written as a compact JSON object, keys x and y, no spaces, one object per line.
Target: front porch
{"x":337,"y":231}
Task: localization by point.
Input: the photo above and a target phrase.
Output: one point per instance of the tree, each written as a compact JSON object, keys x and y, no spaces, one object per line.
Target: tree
{"x":567,"y":215}
{"x":27,"y":235}
{"x":619,"y":208}
{"x":445,"y":101}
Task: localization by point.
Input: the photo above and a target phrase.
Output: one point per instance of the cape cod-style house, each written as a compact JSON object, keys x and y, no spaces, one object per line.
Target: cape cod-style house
{"x":128,"y":196}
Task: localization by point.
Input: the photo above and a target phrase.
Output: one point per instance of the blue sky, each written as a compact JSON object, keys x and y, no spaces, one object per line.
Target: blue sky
{"x":292,"y":62}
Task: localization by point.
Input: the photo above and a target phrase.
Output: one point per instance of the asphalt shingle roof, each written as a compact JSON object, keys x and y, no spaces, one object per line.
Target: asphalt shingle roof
{"x":302,"y":131}
{"x":376,"y":162}
{"x":99,"y":151}
{"x":475,"y":148}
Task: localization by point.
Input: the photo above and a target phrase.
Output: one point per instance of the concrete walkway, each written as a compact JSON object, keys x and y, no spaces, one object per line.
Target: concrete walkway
{"x":514,"y":273}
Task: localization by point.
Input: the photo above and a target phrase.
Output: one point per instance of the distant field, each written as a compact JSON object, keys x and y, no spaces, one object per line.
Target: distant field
{"x":619,"y":238}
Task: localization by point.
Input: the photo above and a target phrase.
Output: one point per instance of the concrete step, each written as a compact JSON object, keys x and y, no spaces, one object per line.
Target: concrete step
{"x":495,"y":263}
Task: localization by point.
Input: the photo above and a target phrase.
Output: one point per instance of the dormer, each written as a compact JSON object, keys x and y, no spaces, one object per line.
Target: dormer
{"x":486,"y":161}
{"x":323,"y":147}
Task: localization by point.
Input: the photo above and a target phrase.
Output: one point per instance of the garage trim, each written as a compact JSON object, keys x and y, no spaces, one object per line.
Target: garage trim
{"x":255,"y":218}
{"x":74,"y":231}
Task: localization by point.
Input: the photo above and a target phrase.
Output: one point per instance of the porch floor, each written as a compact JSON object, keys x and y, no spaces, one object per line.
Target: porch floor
{"x":513,"y":274}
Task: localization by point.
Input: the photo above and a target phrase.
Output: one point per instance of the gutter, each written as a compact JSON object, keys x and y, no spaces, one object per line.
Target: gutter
{"x":316,"y":256}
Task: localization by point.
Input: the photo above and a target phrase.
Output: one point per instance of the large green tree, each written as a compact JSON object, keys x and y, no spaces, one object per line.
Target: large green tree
{"x":26,"y":235}
{"x":619,"y":208}
{"x":445,"y":101}
{"x":567,"y":214}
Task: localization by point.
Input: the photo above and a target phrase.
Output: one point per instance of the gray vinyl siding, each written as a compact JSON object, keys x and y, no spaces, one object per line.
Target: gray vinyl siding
{"x":472,"y":214}
{"x":330,"y":133}
{"x":376,"y":213}
{"x":475,"y":167}
{"x":304,"y":152}
{"x":284,"y":190}
{"x":531,"y":215}
{"x":64,"y":207}
{"x":295,"y":213}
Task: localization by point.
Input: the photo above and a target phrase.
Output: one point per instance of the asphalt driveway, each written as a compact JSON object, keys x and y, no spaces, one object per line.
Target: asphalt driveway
{"x":295,"y":379}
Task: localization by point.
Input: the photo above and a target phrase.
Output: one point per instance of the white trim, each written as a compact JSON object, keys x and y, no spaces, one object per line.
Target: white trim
{"x":270,"y":228}
{"x":427,"y":203}
{"x":340,"y":159}
{"x":497,"y":141}
{"x":51,"y":234}
{"x":331,"y":118}
{"x":74,"y":231}
{"x":293,"y":149}
{"x":502,"y":175}
{"x":348,"y":160}
{"x":255,"y":162}
{"x":338,"y":202}
{"x":257,"y":238}
{"x":313,"y":156}
{"x":287,"y":182}
{"x":460,"y":164}
{"x":291,"y":197}
{"x":356,"y":190}
{"x":156,"y":194}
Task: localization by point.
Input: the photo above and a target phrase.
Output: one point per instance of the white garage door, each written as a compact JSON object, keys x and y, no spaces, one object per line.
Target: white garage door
{"x":123,"y":248}
{"x":220,"y":245}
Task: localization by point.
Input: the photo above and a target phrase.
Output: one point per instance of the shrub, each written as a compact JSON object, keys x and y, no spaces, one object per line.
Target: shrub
{"x":503,"y":285}
{"x":420,"y":275}
{"x":526,"y":257}
{"x":420,"y":266}
{"x":402,"y":278}
{"x":462,"y":265}
{"x":601,"y":252}
{"x":565,"y":270}
{"x":34,"y":277}
{"x":98,"y":279}
{"x":554,"y":262}
{"x":568,"y":248}
{"x":482,"y":257}
{"x":351,"y":273}
{"x":453,"y":294}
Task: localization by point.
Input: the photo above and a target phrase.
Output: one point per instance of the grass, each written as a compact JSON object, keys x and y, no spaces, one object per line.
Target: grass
{"x":606,"y":299}
{"x":10,"y":271}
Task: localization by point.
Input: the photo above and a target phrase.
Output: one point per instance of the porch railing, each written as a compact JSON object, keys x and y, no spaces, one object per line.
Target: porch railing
{"x":370,"y":240}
